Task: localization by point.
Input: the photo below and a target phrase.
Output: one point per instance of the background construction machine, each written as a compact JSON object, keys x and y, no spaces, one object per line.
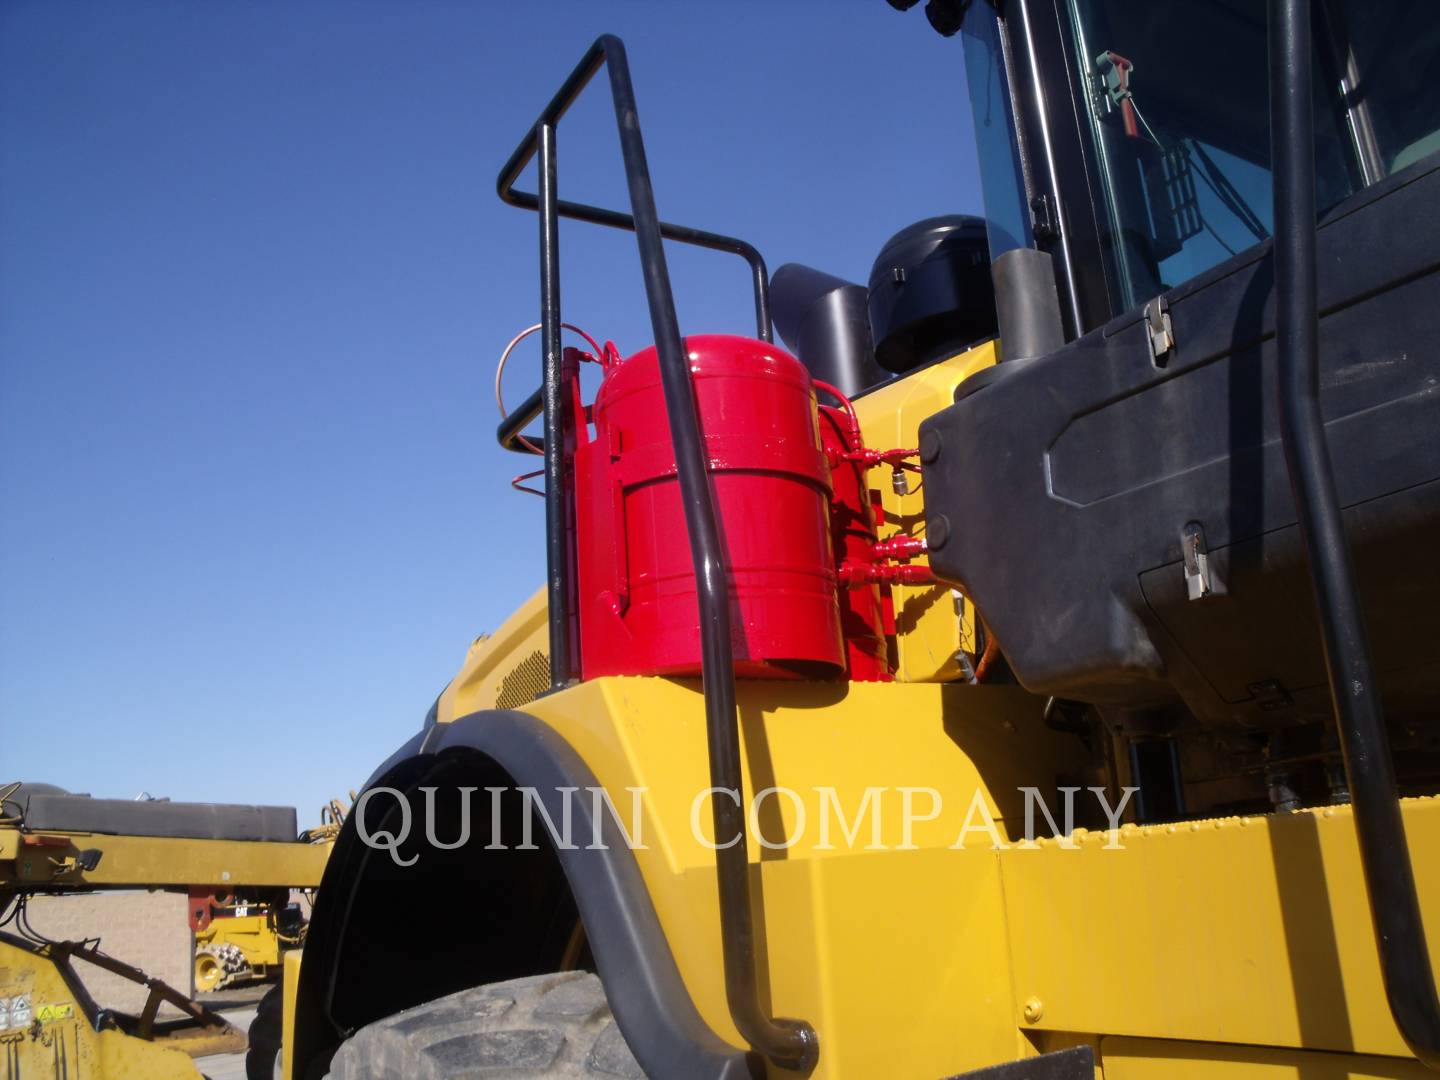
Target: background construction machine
{"x":243,"y":940}
{"x":1120,"y":503}
{"x":55,"y":843}
{"x":242,"y":936}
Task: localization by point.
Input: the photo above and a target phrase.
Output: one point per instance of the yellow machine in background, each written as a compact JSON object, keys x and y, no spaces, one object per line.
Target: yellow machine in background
{"x":241,"y":940}
{"x":240,"y":947}
{"x":46,"y":1032}
{"x":49,"y":1024}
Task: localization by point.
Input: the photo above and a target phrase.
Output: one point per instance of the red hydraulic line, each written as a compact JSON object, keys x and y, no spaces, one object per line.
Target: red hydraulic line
{"x":896,"y":459}
{"x":899,"y":547}
{"x":854,"y":575}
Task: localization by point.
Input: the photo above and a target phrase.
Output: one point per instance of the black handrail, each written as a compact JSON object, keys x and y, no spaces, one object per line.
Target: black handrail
{"x":518,"y":419}
{"x":614,"y":219}
{"x":559,"y":543}
{"x":508,"y":434}
{"x":1389,"y":877}
{"x":789,"y":1043}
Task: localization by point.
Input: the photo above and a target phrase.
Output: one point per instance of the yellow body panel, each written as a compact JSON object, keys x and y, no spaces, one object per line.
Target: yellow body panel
{"x":56,"y":1039}
{"x":291,"y":986}
{"x":158,"y":862}
{"x":504,"y":669}
{"x":1234,"y":931}
{"x":1152,"y":1059}
{"x":931,"y":622}
{"x":865,"y":944}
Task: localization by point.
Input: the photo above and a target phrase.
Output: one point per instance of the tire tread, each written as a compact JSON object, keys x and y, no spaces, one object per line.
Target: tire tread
{"x":553,"y":1026}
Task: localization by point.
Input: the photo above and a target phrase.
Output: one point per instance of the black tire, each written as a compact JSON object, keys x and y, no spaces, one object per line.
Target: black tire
{"x":542,"y":1026}
{"x":262,"y":1059}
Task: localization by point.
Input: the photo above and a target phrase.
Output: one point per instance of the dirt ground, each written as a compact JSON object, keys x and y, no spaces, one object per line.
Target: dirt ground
{"x":227,"y":1066}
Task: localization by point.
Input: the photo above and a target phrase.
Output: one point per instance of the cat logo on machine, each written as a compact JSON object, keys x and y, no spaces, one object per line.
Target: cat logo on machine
{"x":48,"y":1014}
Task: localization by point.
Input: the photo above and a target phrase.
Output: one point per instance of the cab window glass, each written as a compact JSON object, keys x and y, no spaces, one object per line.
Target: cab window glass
{"x":1391,"y":53}
{"x":1178,"y":108}
{"x":1006,"y":213}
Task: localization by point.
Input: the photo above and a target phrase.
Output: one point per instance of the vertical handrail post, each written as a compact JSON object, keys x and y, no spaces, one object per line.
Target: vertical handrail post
{"x":1379,"y":825}
{"x":791,"y":1044}
{"x":558,"y":563}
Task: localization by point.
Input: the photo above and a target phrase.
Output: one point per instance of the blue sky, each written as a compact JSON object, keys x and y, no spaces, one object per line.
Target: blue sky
{"x":253,"y":282}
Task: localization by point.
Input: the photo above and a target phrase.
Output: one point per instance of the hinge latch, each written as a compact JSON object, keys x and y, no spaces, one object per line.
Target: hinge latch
{"x":1044,"y":220}
{"x":1162,"y":335}
{"x":1198,"y":581}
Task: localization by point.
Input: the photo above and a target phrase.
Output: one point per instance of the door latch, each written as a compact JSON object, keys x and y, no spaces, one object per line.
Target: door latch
{"x":1198,"y":581}
{"x":1162,"y":335}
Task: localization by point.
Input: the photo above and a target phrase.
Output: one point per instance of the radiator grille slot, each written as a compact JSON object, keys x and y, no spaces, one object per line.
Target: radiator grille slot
{"x":526,"y":681}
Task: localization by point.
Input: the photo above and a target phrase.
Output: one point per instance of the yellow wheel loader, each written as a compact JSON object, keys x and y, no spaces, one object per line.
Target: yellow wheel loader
{"x":1031,"y":672}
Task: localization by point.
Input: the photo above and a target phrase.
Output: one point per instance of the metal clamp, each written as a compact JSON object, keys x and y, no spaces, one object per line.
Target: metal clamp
{"x":1161,"y":333}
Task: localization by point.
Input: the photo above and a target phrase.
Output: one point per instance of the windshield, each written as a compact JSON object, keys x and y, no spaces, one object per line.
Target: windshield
{"x":1006,"y":213}
{"x":1179,"y":121}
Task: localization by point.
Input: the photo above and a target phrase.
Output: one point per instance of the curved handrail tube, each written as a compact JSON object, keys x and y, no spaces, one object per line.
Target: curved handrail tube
{"x":788,"y":1043}
{"x":559,"y":105}
{"x":1384,"y":856}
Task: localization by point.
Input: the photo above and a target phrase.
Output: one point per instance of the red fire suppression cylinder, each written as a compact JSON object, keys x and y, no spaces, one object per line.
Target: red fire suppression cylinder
{"x":852,"y":532}
{"x":771,"y":481}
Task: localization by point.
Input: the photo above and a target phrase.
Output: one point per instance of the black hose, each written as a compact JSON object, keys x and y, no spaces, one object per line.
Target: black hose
{"x":1389,"y":877}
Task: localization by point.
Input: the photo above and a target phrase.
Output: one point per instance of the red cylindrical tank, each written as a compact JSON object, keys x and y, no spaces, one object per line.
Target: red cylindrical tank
{"x":638,"y":608}
{"x":852,"y":535}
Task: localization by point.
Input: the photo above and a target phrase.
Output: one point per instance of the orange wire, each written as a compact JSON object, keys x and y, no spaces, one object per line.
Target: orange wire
{"x":987,"y":658}
{"x":518,"y":485}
